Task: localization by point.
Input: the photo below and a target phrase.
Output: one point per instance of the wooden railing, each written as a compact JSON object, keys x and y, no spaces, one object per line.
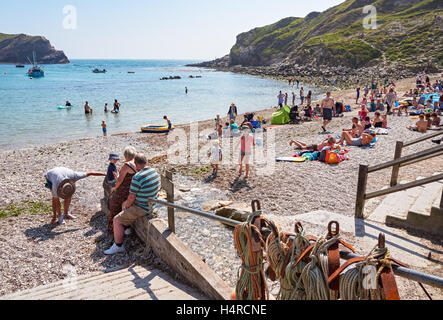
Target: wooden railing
{"x":168,"y":186}
{"x":396,"y":164}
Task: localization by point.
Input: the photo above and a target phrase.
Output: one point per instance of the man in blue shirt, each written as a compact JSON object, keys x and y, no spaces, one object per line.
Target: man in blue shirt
{"x":144,"y":186}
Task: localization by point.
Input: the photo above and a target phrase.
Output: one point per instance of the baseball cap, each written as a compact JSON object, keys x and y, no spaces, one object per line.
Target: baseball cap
{"x":114,"y":156}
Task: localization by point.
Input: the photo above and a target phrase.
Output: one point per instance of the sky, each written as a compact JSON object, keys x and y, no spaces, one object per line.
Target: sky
{"x":147,"y":29}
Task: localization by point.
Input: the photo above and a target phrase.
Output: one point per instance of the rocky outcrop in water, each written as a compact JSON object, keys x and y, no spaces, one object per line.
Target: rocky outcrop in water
{"x":17,"y":48}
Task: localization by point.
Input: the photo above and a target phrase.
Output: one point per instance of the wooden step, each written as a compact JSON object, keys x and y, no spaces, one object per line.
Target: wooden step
{"x":430,"y":194}
{"x":132,"y":283}
{"x":396,"y":205}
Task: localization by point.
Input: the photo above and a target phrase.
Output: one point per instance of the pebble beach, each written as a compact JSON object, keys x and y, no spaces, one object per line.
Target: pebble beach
{"x":34,"y":253}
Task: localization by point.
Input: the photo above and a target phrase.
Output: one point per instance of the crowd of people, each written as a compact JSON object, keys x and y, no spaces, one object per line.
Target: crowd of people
{"x":126,"y":193}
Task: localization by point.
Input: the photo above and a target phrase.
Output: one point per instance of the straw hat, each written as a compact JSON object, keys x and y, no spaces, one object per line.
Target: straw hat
{"x":66,"y":189}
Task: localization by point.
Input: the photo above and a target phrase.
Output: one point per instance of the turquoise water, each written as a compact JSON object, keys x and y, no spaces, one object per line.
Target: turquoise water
{"x":29,"y":114}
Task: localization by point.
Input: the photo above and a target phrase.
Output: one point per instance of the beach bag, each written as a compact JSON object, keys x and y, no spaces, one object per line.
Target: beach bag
{"x":332,"y":157}
{"x":322,"y":155}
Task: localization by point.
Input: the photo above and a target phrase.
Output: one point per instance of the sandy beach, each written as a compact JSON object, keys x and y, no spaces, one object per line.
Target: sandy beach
{"x":34,"y":253}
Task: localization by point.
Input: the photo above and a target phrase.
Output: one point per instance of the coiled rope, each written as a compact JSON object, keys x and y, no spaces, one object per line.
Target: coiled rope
{"x":277,"y":249}
{"x":251,"y":284}
{"x":354,"y":282}
{"x":313,"y":282}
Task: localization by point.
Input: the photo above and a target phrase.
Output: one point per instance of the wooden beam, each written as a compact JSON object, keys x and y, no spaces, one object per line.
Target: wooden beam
{"x":396,"y":168}
{"x":408,"y":158}
{"x":361,"y":191}
{"x":169,"y":188}
{"x":405,"y":186}
{"x":433,"y":135}
{"x":168,"y":247}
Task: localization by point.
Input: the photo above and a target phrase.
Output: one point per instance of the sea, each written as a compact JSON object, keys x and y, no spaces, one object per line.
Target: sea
{"x":29,"y":113}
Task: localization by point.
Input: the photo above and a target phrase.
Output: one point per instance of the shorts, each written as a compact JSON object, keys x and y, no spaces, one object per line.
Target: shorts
{"x":246,"y":156}
{"x":312,"y":147}
{"x":327,"y":114}
{"x":131,"y":214}
{"x":104,"y":130}
{"x":356,"y":142}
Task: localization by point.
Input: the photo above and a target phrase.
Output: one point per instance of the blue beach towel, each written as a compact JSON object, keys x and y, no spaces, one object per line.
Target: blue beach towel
{"x":371,"y":145}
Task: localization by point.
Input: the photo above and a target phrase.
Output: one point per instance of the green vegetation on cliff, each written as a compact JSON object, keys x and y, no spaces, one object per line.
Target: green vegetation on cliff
{"x":408,"y":32}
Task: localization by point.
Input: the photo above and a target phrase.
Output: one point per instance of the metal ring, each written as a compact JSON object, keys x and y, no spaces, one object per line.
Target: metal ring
{"x":381,"y":240}
{"x":253,"y":204}
{"x":337,"y":229}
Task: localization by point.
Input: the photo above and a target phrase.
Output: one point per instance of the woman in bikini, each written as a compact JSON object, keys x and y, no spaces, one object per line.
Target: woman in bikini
{"x":329,"y":142}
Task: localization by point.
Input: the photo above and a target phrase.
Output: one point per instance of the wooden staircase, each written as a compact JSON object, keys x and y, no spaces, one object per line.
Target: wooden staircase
{"x":134,"y":283}
{"x":417,"y":209}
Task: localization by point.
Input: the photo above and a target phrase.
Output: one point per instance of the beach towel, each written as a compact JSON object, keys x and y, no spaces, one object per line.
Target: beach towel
{"x":291,"y":159}
{"x":381,"y":131}
{"x":371,"y":145}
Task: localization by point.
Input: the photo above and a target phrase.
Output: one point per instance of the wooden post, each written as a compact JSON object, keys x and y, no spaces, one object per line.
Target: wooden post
{"x":361,"y":191}
{"x":396,"y":168}
{"x":168,"y":185}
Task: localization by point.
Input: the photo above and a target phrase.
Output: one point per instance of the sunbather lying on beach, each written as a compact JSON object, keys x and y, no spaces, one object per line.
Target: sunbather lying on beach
{"x":365,"y":139}
{"x":329,"y":142}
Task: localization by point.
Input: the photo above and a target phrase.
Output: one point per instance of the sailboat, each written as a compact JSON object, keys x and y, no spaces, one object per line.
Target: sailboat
{"x":35,"y":71}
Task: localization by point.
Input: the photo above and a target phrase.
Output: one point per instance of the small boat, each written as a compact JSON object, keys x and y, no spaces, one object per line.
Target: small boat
{"x":99,"y":71}
{"x":156,"y":129}
{"x":131,"y":71}
{"x":19,"y":65}
{"x":35,"y":71}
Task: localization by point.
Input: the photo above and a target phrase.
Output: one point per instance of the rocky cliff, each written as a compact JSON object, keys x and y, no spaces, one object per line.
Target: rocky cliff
{"x":407,"y":39}
{"x":16,"y":49}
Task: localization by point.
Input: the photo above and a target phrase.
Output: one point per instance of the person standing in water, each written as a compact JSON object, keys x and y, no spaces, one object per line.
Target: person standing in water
{"x":106,"y":108}
{"x":186,"y":90}
{"x":116,"y":106}
{"x":302,"y":95}
{"x":88,"y":109}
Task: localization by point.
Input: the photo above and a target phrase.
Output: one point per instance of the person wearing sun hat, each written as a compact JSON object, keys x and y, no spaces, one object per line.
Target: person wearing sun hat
{"x":111,"y":176}
{"x":61,"y":182}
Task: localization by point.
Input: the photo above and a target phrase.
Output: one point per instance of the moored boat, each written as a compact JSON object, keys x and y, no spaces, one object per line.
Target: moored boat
{"x":35,"y":71}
